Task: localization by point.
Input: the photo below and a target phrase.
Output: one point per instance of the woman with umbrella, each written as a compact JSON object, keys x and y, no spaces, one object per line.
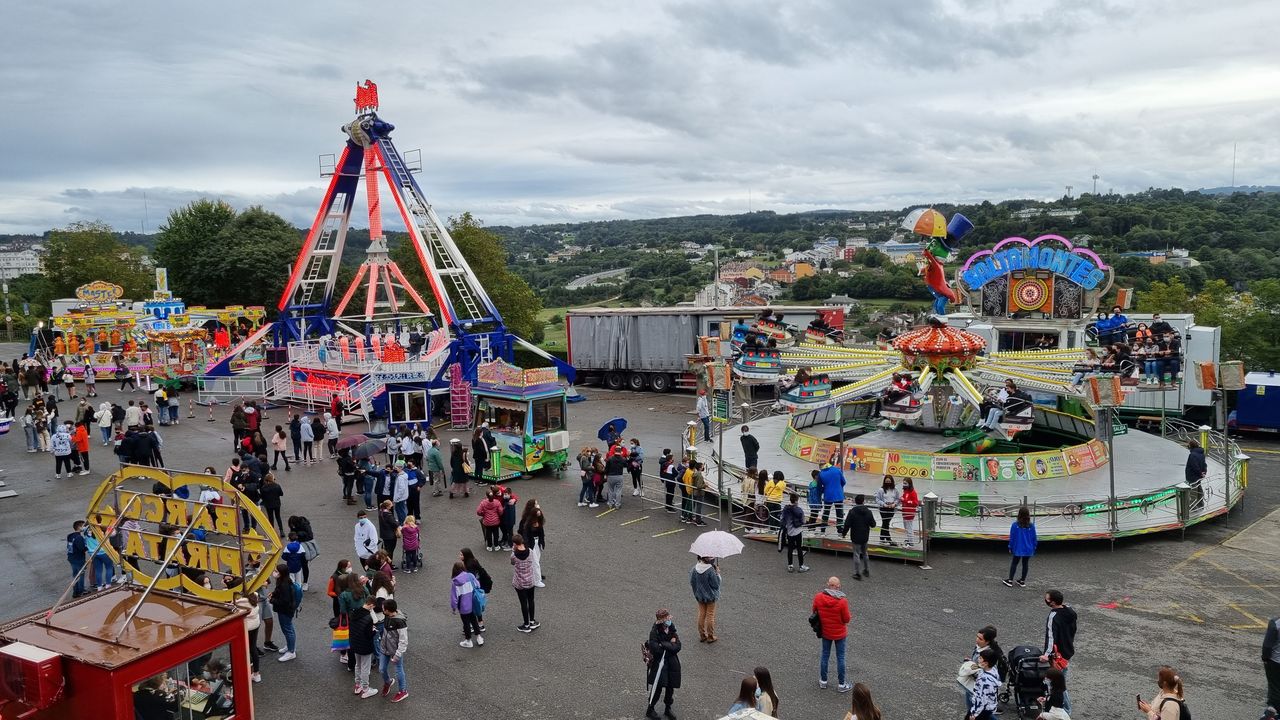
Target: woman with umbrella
{"x":611,"y":432}
{"x":663,"y":652}
{"x":458,"y":469}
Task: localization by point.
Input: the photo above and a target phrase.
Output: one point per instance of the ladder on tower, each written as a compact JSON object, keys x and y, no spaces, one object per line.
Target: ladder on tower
{"x":322,"y":256}
{"x":442,"y":252}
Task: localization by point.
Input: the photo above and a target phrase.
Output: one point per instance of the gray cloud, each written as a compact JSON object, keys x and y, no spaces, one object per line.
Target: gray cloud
{"x":576,"y":110}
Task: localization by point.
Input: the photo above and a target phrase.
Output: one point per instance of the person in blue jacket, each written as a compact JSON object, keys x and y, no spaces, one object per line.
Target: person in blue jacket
{"x":1022,"y":545}
{"x":1119,"y":325}
{"x":832,"y":480}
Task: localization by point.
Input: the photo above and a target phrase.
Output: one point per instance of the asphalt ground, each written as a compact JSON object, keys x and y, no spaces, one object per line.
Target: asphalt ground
{"x":1199,"y":603}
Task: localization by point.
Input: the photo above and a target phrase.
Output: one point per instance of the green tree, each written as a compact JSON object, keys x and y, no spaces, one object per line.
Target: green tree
{"x":1170,"y":297}
{"x":88,"y":251}
{"x":515,"y":300}
{"x":187,"y":234}
{"x":249,"y":259}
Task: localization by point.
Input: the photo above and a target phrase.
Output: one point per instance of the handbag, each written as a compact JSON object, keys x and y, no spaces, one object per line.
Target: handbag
{"x":466,"y":468}
{"x":311,"y":550}
{"x":341,"y":641}
{"x":815,"y":622}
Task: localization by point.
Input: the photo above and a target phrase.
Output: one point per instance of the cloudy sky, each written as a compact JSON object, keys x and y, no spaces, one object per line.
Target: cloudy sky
{"x":561,"y":110}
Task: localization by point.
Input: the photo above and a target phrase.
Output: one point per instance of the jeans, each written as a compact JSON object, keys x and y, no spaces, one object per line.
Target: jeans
{"x":367,"y":490}
{"x":1151,"y":368}
{"x":1013,"y":564}
{"x":103,"y":569}
{"x":707,"y":619}
{"x":173,"y":414}
{"x":587,"y":493}
{"x":1171,"y":368}
{"x":614,"y":495}
{"x":363,"y":664}
{"x":1273,"y":683}
{"x":706,"y":427}
{"x":84,"y":459}
{"x":861,"y":563}
{"x":1066,"y":696}
{"x":34,"y":444}
{"x":695,"y":505}
{"x":412,"y":559}
{"x":993,"y":418}
{"x":77,"y":564}
{"x":528,"y":610}
{"x":686,"y":504}
{"x":668,"y":493}
{"x":286,"y":626}
{"x":826,"y":655}
{"x":402,"y":511}
{"x":385,"y":664}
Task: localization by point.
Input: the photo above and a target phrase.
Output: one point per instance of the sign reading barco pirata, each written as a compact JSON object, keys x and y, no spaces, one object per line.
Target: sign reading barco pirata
{"x":99,"y":291}
{"x":219,"y":541}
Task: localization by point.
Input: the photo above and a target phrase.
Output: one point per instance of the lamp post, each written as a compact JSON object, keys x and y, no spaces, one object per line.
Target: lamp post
{"x":8,"y":316}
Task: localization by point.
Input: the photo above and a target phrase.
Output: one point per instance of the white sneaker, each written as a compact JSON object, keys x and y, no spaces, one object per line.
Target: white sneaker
{"x":84,"y":472}
{"x":304,"y":587}
{"x":582,"y":504}
{"x":594,"y":505}
{"x":539,"y":584}
{"x":257,"y":677}
{"x":479,"y":639}
{"x":822,"y":684}
{"x":368,"y":693}
{"x":635,"y":493}
{"x":287,"y":657}
{"x":844,"y":687}
{"x":467,"y":643}
{"x":57,"y":475}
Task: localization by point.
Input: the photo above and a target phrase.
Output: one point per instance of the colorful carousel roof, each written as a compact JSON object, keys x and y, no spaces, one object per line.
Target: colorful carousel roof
{"x":939,"y":340}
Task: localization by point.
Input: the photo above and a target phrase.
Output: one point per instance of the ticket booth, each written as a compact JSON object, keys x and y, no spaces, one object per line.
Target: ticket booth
{"x":168,"y":644}
{"x":526,"y":412}
{"x":177,"y":657}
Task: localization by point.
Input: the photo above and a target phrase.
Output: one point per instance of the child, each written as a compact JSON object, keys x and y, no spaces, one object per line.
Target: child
{"x":393,"y":644}
{"x":409,"y":540}
{"x":360,"y":623}
{"x":293,"y":555}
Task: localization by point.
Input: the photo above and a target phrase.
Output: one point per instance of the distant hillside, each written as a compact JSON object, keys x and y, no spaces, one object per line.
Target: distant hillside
{"x":1246,"y":189}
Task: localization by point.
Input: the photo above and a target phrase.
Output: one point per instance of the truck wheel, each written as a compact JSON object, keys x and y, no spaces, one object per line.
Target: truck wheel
{"x":615,"y":380}
{"x":637,"y":382}
{"x":660,"y":382}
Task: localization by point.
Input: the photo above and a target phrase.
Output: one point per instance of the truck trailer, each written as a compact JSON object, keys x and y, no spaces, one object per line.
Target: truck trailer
{"x":648,"y":348}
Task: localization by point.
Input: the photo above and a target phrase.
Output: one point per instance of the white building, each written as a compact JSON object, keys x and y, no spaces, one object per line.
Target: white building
{"x":20,"y":262}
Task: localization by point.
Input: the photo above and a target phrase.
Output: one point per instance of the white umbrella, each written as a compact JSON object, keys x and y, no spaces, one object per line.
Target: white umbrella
{"x":716,"y":544}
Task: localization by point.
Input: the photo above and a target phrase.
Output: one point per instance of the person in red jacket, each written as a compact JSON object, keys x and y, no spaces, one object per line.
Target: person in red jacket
{"x":490,"y":512}
{"x":80,"y":448}
{"x":909,"y":503}
{"x":833,"y":613}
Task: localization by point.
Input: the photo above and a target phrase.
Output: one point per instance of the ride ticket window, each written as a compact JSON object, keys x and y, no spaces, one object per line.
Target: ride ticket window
{"x":198,"y":689}
{"x":548,"y":415}
{"x":504,"y":417}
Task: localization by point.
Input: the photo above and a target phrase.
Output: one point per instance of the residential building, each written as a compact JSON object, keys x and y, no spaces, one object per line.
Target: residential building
{"x":782,"y":276}
{"x":803,"y":270}
{"x":20,"y":262}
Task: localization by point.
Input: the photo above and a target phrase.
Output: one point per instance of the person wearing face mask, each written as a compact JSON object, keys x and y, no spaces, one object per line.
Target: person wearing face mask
{"x":507,"y":524}
{"x":1059,"y":637}
{"x":662,"y":651}
{"x":635,"y":463}
{"x":533,"y":525}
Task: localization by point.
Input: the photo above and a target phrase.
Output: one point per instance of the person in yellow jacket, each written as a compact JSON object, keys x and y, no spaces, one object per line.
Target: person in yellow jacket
{"x":774,"y":489}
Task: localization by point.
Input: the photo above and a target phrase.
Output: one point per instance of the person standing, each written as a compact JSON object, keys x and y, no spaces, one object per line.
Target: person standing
{"x":793,"y":533}
{"x":490,"y":512}
{"x":280,"y":448}
{"x":1271,"y":661}
{"x":774,"y":489}
{"x":366,"y":537}
{"x":393,"y":643}
{"x":858,"y":525}
{"x":284,"y":605}
{"x":704,"y":414}
{"x":704,"y":578}
{"x":90,"y":378}
{"x":910,"y":505}
{"x":331,"y":432}
{"x":270,"y":494}
{"x":832,"y":608}
{"x":295,"y":435}
{"x":435,"y":468}
{"x":523,"y":579}
{"x":750,"y":448}
{"x":887,"y":499}
{"x":362,"y":637}
{"x":60,"y":444}
{"x":388,"y":528}
{"x":507,"y":525}
{"x":1022,"y":545}
{"x":663,"y":649}
{"x":614,"y":465}
{"x":667,"y":471}
{"x":1059,"y":637}
{"x":400,"y":490}
{"x":479,"y":453}
{"x":831,"y":478}
{"x":1195,"y":472}
{"x":635,"y":463}
{"x":533,"y":526}
{"x":462,"y":602}
{"x":307,"y":434}
{"x":80,"y":448}
{"x":986,"y":687}
{"x":458,"y":470}
{"x":76,"y":550}
{"x":697,"y":493}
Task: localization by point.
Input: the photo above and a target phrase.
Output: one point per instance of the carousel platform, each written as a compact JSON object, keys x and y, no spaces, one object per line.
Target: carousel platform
{"x":1072,"y":507}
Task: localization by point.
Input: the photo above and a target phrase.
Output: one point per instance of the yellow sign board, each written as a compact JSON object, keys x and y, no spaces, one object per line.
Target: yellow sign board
{"x":100,"y":291}
{"x":218,"y":542}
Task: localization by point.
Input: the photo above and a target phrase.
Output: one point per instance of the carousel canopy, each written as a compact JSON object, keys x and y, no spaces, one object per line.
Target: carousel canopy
{"x":939,"y":340}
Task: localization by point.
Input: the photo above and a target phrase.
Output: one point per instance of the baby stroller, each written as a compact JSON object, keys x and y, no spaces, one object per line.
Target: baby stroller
{"x":1025,"y":680}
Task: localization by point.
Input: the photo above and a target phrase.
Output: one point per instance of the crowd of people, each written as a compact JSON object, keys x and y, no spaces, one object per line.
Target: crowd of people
{"x":1150,"y":353}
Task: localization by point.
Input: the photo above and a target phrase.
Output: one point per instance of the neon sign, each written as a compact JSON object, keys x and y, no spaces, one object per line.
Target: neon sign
{"x":1078,"y":265}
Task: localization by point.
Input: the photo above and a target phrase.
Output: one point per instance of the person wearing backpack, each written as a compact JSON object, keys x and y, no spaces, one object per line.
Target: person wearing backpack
{"x":285,"y":601}
{"x":462,"y":602}
{"x":393,"y":644}
{"x":1168,"y":704}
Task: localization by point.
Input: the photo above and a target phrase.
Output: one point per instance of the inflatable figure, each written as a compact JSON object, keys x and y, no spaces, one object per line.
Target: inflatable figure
{"x":944,"y":237}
